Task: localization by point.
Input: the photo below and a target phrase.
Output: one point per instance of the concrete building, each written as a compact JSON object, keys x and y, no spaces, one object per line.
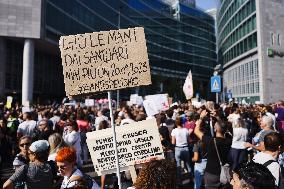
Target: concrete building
{"x":250,"y":48}
{"x":179,"y":38}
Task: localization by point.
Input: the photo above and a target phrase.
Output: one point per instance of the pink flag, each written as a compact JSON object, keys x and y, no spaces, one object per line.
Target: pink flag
{"x":188,"y":86}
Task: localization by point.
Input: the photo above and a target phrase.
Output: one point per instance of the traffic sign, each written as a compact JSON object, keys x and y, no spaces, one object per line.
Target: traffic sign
{"x":216,"y":84}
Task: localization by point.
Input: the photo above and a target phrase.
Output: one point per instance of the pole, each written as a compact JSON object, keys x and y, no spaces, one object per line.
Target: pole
{"x":118,"y":27}
{"x":216,"y":98}
{"x":117,"y":99}
{"x":114,"y":139}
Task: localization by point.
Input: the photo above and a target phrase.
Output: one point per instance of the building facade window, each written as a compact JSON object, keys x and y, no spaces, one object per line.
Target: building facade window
{"x":243,"y":80}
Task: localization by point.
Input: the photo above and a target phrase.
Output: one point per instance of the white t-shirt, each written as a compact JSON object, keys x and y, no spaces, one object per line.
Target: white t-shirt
{"x":274,"y":167}
{"x":181,"y":136}
{"x":239,"y":137}
{"x":66,"y":183}
{"x":27,"y":127}
{"x":73,"y":139}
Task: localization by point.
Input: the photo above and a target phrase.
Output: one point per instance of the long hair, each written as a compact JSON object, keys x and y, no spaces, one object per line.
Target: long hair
{"x":157,"y":174}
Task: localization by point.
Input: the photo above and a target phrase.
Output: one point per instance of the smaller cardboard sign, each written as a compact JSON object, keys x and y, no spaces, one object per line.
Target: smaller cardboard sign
{"x":135,"y":141}
{"x":89,"y":102}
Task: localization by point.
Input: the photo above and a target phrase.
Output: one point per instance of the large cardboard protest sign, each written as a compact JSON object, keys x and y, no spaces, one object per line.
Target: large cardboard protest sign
{"x":136,"y":142}
{"x":103,"y":61}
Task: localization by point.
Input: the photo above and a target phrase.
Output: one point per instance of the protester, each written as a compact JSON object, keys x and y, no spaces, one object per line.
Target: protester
{"x":238,"y":152}
{"x":73,"y":138}
{"x":252,"y":176}
{"x":266,"y":126}
{"x":56,"y":142}
{"x":268,"y":157}
{"x":180,"y":140}
{"x":38,"y":173}
{"x":22,"y":158}
{"x":213,"y":168}
{"x":99,"y":118}
{"x":158,"y":174}
{"x":42,"y":131}
{"x":84,"y":127}
{"x":66,"y":163}
{"x":128,"y":117}
{"x":6,"y":142}
{"x":27,"y":127}
{"x":200,"y":159}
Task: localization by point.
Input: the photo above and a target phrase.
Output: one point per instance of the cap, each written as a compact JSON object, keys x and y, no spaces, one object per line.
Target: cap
{"x":39,"y":146}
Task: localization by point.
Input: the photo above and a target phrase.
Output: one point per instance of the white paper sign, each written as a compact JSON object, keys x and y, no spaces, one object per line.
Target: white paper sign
{"x":135,"y":99}
{"x":160,"y":100}
{"x":150,"y":107}
{"x":135,"y":142}
{"x":89,"y":102}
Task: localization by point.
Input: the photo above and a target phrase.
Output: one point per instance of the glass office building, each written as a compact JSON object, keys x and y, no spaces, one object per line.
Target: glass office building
{"x":237,"y":37}
{"x":242,"y":28}
{"x":179,"y":37}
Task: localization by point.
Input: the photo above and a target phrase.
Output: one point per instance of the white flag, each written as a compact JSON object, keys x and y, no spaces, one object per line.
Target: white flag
{"x":188,"y":86}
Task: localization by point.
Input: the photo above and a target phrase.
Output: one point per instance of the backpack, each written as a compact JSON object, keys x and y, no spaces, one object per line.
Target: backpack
{"x":281,"y":179}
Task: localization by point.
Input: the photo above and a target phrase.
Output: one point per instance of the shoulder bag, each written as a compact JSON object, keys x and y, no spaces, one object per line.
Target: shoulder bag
{"x":225,"y":169}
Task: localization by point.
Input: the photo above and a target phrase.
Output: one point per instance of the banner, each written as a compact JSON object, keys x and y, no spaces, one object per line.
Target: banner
{"x":104,"y":61}
{"x":188,"y":86}
{"x":135,"y":142}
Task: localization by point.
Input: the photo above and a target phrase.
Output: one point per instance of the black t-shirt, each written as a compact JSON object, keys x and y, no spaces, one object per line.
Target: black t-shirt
{"x":223,"y":145}
{"x":164,"y":131}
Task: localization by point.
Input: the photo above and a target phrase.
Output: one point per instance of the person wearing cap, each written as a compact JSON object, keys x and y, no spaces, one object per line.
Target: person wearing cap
{"x":38,"y":173}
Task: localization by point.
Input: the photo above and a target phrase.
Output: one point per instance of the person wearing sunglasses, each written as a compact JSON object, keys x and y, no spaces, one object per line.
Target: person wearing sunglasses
{"x":22,"y":158}
{"x":38,"y":173}
{"x":66,"y":163}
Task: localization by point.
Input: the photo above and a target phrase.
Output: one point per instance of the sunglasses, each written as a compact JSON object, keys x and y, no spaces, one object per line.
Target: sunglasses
{"x":61,"y":167}
{"x":23,"y":144}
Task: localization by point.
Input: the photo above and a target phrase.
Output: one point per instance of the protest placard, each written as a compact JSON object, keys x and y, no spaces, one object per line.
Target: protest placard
{"x":150,"y":107}
{"x":104,"y":61}
{"x":136,"y":99}
{"x":161,"y":101}
{"x":136,"y":141}
{"x":89,"y":102}
{"x":9,"y":102}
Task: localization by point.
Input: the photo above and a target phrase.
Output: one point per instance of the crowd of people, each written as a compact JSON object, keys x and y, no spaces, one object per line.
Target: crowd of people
{"x":47,"y":145}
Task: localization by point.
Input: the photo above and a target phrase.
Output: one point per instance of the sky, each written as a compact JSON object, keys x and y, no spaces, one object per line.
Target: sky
{"x":206,"y":4}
